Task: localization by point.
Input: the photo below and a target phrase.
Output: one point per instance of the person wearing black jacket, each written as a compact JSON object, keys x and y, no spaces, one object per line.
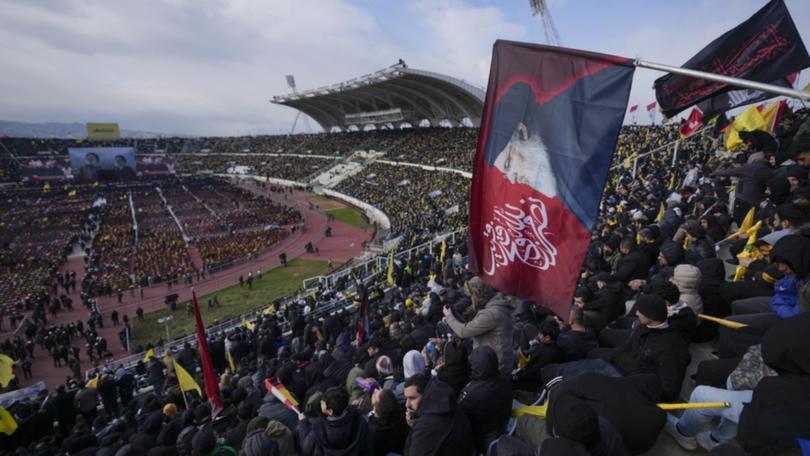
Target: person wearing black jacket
{"x":626,"y":404}
{"x":542,"y":351}
{"x":679,"y":315}
{"x":487,"y":399}
{"x":576,"y":340}
{"x":438,"y":425}
{"x":634,"y":263}
{"x":187,"y":358}
{"x":575,"y":426}
{"x":654,"y":347}
{"x":386,"y":423}
{"x":341,"y":431}
{"x":779,"y":410}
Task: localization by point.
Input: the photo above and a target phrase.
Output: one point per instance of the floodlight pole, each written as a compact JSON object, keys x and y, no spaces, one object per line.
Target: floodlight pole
{"x":737,"y":82}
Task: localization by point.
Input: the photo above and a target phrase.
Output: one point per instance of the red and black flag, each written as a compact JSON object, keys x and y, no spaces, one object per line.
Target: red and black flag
{"x":550,"y":124}
{"x":764,"y":48}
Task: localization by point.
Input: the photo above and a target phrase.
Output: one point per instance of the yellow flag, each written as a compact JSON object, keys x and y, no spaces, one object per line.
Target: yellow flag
{"x":249,"y":325}
{"x":693,"y":405}
{"x":748,"y":251}
{"x":7,"y":422}
{"x":723,"y":322}
{"x":444,"y":252}
{"x":523,"y":360}
{"x":661,"y":211}
{"x":185,"y":380}
{"x":230,"y":361}
{"x":72,"y":193}
{"x":95,"y":184}
{"x":748,"y":221}
{"x":536,"y":410}
{"x":390,"y":275}
{"x":749,"y":120}
{"x":6,"y":370}
{"x":769,"y":114}
{"x":149,"y":355}
{"x":672,"y":182}
{"x":92,"y":383}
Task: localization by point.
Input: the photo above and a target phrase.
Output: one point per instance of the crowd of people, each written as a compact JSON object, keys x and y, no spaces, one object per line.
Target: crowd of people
{"x":224,"y":222}
{"x":219,"y":250}
{"x":419,"y":202}
{"x":427,"y":359}
{"x":283,"y":167}
{"x":37,"y":231}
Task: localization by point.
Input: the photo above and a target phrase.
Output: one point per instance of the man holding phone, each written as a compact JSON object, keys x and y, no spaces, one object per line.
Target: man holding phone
{"x":492,"y":324}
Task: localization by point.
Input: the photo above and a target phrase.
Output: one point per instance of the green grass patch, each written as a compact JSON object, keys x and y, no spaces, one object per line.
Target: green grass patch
{"x":322,"y":198}
{"x":349,"y":216}
{"x":235,"y":301}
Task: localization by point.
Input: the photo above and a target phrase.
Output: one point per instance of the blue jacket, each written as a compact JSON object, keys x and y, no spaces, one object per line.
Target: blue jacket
{"x":785,"y":301}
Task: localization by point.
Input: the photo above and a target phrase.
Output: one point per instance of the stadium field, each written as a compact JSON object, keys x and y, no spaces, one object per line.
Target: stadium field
{"x":234,"y":301}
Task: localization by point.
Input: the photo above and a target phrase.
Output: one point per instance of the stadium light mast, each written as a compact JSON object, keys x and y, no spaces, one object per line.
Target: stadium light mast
{"x":291,"y":84}
{"x":540,"y":8}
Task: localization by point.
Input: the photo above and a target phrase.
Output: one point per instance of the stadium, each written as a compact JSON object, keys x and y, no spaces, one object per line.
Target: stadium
{"x":375,"y":288}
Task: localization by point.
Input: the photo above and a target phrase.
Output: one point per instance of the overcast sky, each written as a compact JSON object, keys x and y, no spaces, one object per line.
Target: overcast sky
{"x":208,"y":67}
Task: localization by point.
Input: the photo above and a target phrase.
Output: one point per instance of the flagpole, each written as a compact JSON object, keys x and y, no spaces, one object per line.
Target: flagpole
{"x":184,"y":397}
{"x":737,"y":82}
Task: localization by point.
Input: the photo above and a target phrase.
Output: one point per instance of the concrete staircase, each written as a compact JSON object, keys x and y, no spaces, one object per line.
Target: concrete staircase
{"x":334,"y":175}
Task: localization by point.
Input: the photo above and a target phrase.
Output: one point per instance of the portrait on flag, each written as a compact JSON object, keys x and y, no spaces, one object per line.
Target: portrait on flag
{"x":551,"y":121}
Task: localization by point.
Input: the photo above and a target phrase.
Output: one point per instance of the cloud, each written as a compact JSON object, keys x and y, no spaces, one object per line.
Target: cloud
{"x":460,"y":37}
{"x":209,"y":66}
{"x":204,"y":67}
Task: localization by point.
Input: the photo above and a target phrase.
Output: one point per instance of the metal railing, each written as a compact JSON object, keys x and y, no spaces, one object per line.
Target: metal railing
{"x":364,"y":271}
{"x":673,"y":144}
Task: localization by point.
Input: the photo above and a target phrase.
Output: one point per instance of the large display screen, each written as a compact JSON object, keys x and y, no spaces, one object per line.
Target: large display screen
{"x":91,"y":164}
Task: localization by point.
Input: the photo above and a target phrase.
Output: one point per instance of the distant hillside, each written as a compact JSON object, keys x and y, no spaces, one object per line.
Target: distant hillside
{"x":62,"y":130}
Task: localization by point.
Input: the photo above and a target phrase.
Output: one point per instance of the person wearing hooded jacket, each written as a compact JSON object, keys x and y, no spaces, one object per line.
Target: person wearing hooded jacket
{"x":487,"y":399}
{"x":438,"y":425}
{"x":767,"y":419}
{"x":687,"y":278}
{"x":492,"y":324}
{"x":341,"y":431}
{"x":791,"y":256}
{"x":779,"y":410}
{"x":575,"y":428}
{"x":258,"y":443}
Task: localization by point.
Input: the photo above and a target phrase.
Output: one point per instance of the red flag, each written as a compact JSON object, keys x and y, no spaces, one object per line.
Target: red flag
{"x":205,"y":358}
{"x":633,"y":108}
{"x":550,"y":124}
{"x":651,"y":106}
{"x":692,"y":124}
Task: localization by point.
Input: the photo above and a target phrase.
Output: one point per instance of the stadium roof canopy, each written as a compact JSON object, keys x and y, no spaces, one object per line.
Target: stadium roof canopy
{"x":393,"y":95}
